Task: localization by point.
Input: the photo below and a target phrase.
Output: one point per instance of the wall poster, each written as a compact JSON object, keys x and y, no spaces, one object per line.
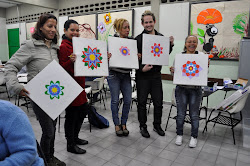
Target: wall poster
{"x":219,"y":27}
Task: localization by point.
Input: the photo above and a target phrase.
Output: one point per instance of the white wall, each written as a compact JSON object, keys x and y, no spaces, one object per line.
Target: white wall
{"x":61,"y":22}
{"x":138,"y":28}
{"x":4,"y":52}
{"x":173,"y":21}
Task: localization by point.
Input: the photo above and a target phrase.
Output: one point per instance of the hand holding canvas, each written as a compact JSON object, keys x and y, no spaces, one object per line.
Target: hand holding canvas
{"x":171,"y":39}
{"x":24,"y":92}
{"x":72,"y":57}
{"x":139,"y":56}
{"x":109,"y":55}
{"x":171,"y":69}
{"x":147,"y":67}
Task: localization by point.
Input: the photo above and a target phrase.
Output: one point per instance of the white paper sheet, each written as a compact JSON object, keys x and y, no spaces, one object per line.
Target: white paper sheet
{"x":124,"y":53}
{"x":155,"y":49}
{"x":53,"y":89}
{"x":191,"y":69}
{"x":91,"y":57}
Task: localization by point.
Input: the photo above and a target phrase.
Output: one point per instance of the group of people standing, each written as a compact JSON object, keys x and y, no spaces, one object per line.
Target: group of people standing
{"x":38,"y":52}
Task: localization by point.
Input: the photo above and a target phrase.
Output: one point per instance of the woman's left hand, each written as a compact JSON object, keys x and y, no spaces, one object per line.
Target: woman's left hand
{"x":109,"y":55}
{"x":139,"y":56}
{"x":171,"y":38}
{"x":72,"y":57}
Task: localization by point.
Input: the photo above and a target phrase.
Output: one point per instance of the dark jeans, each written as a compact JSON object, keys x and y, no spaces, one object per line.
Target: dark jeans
{"x":73,"y":121}
{"x":120,"y":82}
{"x":192,"y":97}
{"x":48,"y":126}
{"x":154,"y":87}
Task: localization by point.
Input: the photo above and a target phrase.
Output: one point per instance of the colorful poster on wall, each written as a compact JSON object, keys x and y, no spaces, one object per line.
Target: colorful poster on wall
{"x":220,"y":26}
{"x":91,"y":57}
{"x":155,"y":50}
{"x":124,"y":53}
{"x":30,"y":29}
{"x":106,"y":20}
{"x":191,"y":69}
{"x":87,"y":25}
{"x":53,"y":89}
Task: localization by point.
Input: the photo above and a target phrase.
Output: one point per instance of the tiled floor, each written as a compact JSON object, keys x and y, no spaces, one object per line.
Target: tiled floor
{"x":215,"y":148}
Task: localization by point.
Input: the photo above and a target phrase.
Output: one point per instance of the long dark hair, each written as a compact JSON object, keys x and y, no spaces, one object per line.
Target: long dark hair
{"x":38,"y":35}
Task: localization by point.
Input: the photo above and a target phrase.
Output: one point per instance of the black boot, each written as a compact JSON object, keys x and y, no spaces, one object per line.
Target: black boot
{"x":158,"y":129}
{"x":144,"y":132}
{"x":73,"y":148}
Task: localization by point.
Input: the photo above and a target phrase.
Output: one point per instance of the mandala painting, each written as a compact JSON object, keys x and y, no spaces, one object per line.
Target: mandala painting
{"x":125,"y":51}
{"x":156,"y":49}
{"x":54,"y":90}
{"x":191,"y":69}
{"x":92,"y":57}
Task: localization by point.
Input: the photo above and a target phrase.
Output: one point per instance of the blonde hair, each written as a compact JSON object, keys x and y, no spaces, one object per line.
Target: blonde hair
{"x":147,"y":13}
{"x":118,"y":23}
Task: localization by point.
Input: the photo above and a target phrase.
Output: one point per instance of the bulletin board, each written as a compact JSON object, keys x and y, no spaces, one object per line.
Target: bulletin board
{"x":219,"y":27}
{"x":106,"y":20}
{"x":87,"y":25}
{"x":30,"y":29}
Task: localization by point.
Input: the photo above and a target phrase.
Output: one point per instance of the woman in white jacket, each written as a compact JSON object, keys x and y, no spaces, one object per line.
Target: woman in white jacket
{"x":36,"y":54}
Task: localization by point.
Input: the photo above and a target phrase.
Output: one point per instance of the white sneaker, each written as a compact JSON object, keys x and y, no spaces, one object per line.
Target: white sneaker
{"x":193,"y":142}
{"x":178,"y":140}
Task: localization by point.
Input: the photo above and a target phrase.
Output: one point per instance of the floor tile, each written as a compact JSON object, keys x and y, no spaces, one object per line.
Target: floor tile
{"x":145,"y":157}
{"x":120,"y":160}
{"x":222,"y":161}
{"x":137,"y":163}
{"x":158,"y":161}
{"x":214,"y":147}
{"x":185,"y":160}
{"x":207,"y":157}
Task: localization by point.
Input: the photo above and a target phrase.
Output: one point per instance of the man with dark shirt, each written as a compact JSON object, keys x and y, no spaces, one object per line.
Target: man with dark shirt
{"x":148,"y":80}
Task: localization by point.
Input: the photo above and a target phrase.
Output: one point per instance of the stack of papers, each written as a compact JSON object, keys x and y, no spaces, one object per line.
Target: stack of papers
{"x":233,"y":99}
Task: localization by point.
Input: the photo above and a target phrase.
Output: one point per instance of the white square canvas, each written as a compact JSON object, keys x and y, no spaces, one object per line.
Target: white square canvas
{"x":155,"y":49}
{"x":124,"y":53}
{"x":91,"y":57}
{"x":191,"y":69}
{"x":53,"y":89}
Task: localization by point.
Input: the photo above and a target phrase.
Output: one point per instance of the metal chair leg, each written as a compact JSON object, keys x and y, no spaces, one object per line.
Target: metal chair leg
{"x":168,"y":117}
{"x":232,"y":127}
{"x":59,"y":123}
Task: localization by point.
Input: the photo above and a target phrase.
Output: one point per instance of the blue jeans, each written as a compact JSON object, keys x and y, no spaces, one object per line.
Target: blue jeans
{"x":120,"y":82}
{"x":192,"y":97}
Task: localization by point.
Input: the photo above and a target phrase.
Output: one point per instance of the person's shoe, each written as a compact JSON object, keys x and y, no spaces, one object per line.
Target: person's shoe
{"x":50,"y":162}
{"x":75,"y":149}
{"x":125,"y":130}
{"x":178,"y":140}
{"x":79,"y":141}
{"x":144,"y":132}
{"x":58,"y":162}
{"x":159,"y":130}
{"x":118,"y":131}
{"x":193,"y":142}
